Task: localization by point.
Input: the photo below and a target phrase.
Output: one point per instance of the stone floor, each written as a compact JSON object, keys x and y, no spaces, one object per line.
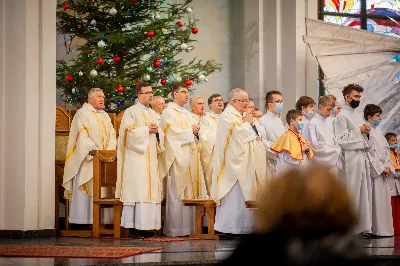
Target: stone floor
{"x":197,"y":252}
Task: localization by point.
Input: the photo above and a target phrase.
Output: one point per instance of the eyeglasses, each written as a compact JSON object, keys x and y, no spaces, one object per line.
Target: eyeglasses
{"x":148,"y":93}
{"x":184,"y":92}
{"x":242,"y":101}
{"x":218,"y":100}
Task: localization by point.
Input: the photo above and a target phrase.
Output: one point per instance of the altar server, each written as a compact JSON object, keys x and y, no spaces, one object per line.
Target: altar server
{"x":306,"y":106}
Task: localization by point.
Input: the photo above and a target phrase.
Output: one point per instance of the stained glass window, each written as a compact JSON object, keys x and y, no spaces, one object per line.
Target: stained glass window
{"x":380,"y":16}
{"x":342,"y":6}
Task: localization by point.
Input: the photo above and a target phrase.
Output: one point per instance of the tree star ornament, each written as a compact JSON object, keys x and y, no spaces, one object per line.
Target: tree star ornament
{"x":101,"y":44}
{"x":93,"y":73}
{"x":113,"y":11}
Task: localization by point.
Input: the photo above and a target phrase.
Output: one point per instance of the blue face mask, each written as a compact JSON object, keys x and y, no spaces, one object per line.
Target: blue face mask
{"x":375,"y":123}
{"x":394,"y":146}
{"x":300,"y":125}
{"x":279,"y":107}
{"x":310,"y":114}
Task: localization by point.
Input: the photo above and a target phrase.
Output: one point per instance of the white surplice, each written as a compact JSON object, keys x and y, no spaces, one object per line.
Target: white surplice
{"x":274,"y":128}
{"x":138,"y":184}
{"x":356,"y":171}
{"x":234,"y":176}
{"x":174,"y":162}
{"x":379,"y":157}
{"x":91,"y":129}
{"x":305,"y":121}
{"x":326,"y":149}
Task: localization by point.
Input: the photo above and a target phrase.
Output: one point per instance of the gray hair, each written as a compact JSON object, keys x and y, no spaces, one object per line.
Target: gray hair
{"x":235,"y":93}
{"x":157,"y":97}
{"x":192,"y":99}
{"x":93,"y":91}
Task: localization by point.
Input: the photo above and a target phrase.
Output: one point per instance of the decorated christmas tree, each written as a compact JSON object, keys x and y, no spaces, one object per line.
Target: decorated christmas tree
{"x":127,"y":42}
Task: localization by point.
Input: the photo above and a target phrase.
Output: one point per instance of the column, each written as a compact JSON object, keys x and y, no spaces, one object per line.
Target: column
{"x":28,"y":114}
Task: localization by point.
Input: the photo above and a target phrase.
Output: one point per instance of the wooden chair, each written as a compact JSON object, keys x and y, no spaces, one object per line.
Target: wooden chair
{"x":113,"y":117}
{"x":105,"y":175}
{"x":251,"y":204}
{"x":204,"y":207}
{"x":63,"y":125}
{"x":118,"y":121}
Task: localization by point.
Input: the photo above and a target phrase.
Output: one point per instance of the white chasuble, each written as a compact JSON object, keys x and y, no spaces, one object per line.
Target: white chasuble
{"x":139,"y":184}
{"x":207,"y":135}
{"x":356,"y":171}
{"x":91,"y":129}
{"x":326,"y":149}
{"x":379,"y":157}
{"x":174,"y":163}
{"x":274,"y":128}
{"x":234,"y":178}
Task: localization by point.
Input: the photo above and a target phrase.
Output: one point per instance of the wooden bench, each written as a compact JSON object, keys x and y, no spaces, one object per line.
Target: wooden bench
{"x":204,"y":207}
{"x":251,"y":204}
{"x":105,"y":175}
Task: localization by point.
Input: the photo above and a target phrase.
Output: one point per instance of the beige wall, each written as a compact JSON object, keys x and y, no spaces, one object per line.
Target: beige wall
{"x":27,"y":114}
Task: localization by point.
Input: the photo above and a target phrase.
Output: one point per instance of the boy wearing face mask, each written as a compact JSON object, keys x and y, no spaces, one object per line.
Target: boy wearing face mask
{"x":306,"y":106}
{"x":292,"y":149}
{"x":394,"y":181}
{"x":352,"y":134}
{"x":319,"y":133}
{"x":380,"y":170}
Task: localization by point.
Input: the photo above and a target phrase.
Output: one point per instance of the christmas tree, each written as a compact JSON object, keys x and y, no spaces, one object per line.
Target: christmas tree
{"x":127,"y":42}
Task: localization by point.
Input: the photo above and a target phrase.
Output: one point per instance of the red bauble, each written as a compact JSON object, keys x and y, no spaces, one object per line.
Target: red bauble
{"x":133,"y":1}
{"x":188,"y":82}
{"x":137,"y":83}
{"x":150,"y":34}
{"x":99,"y":61}
{"x":195,"y":30}
{"x":69,"y":78}
{"x":89,"y":51}
{"x":179,"y":24}
{"x":120,"y":88}
{"x":65,"y":6}
{"x":163,"y":81}
{"x":157,"y":64}
{"x":117,"y":59}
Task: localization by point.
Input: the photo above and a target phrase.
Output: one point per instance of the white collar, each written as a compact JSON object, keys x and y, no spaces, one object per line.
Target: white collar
{"x":211,"y":113}
{"x":141,"y":106}
{"x":271,"y":114}
{"x":177,"y":107}
{"x":232,"y":109}
{"x":320,"y":117}
{"x":349,"y":108}
{"x":90,"y":107}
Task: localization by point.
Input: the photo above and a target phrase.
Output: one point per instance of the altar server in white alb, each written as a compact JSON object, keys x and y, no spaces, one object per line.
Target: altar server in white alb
{"x":91,"y":130}
{"x":319,"y":133}
{"x":352,"y":133}
{"x":158,"y":105}
{"x":381,"y":169}
{"x":174,"y":162}
{"x":272,"y":124}
{"x":306,"y":106}
{"x":234,"y":173}
{"x":138,"y":183}
{"x":208,"y":134}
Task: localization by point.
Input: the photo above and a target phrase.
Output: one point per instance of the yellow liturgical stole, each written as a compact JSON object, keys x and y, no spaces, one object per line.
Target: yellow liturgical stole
{"x":395,"y":159}
{"x":291,"y":143}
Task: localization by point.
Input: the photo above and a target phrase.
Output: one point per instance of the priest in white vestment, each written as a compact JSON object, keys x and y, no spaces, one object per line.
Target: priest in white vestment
{"x":174,"y":162}
{"x":91,"y":130}
{"x":207,"y":135}
{"x":196,"y":169}
{"x":234,"y":176}
{"x":138,"y":183}
{"x":319,"y":133}
{"x":158,"y":105}
{"x":292,"y":149}
{"x":306,"y":106}
{"x":381,"y":169}
{"x":272,"y":124}
{"x":352,"y":134}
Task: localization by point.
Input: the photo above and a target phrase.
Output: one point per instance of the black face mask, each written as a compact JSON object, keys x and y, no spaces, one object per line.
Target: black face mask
{"x":354,"y":103}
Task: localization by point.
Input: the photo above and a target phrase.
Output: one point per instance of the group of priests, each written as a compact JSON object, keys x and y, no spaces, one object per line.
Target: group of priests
{"x":166,"y":152}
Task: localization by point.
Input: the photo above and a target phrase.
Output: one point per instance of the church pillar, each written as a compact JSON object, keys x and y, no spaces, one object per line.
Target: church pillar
{"x":27,"y":115}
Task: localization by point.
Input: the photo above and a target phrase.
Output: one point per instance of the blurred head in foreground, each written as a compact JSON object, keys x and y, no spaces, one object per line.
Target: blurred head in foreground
{"x":310,"y":200}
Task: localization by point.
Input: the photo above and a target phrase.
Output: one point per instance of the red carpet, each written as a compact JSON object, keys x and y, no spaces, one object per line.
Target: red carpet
{"x":72,"y":252}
